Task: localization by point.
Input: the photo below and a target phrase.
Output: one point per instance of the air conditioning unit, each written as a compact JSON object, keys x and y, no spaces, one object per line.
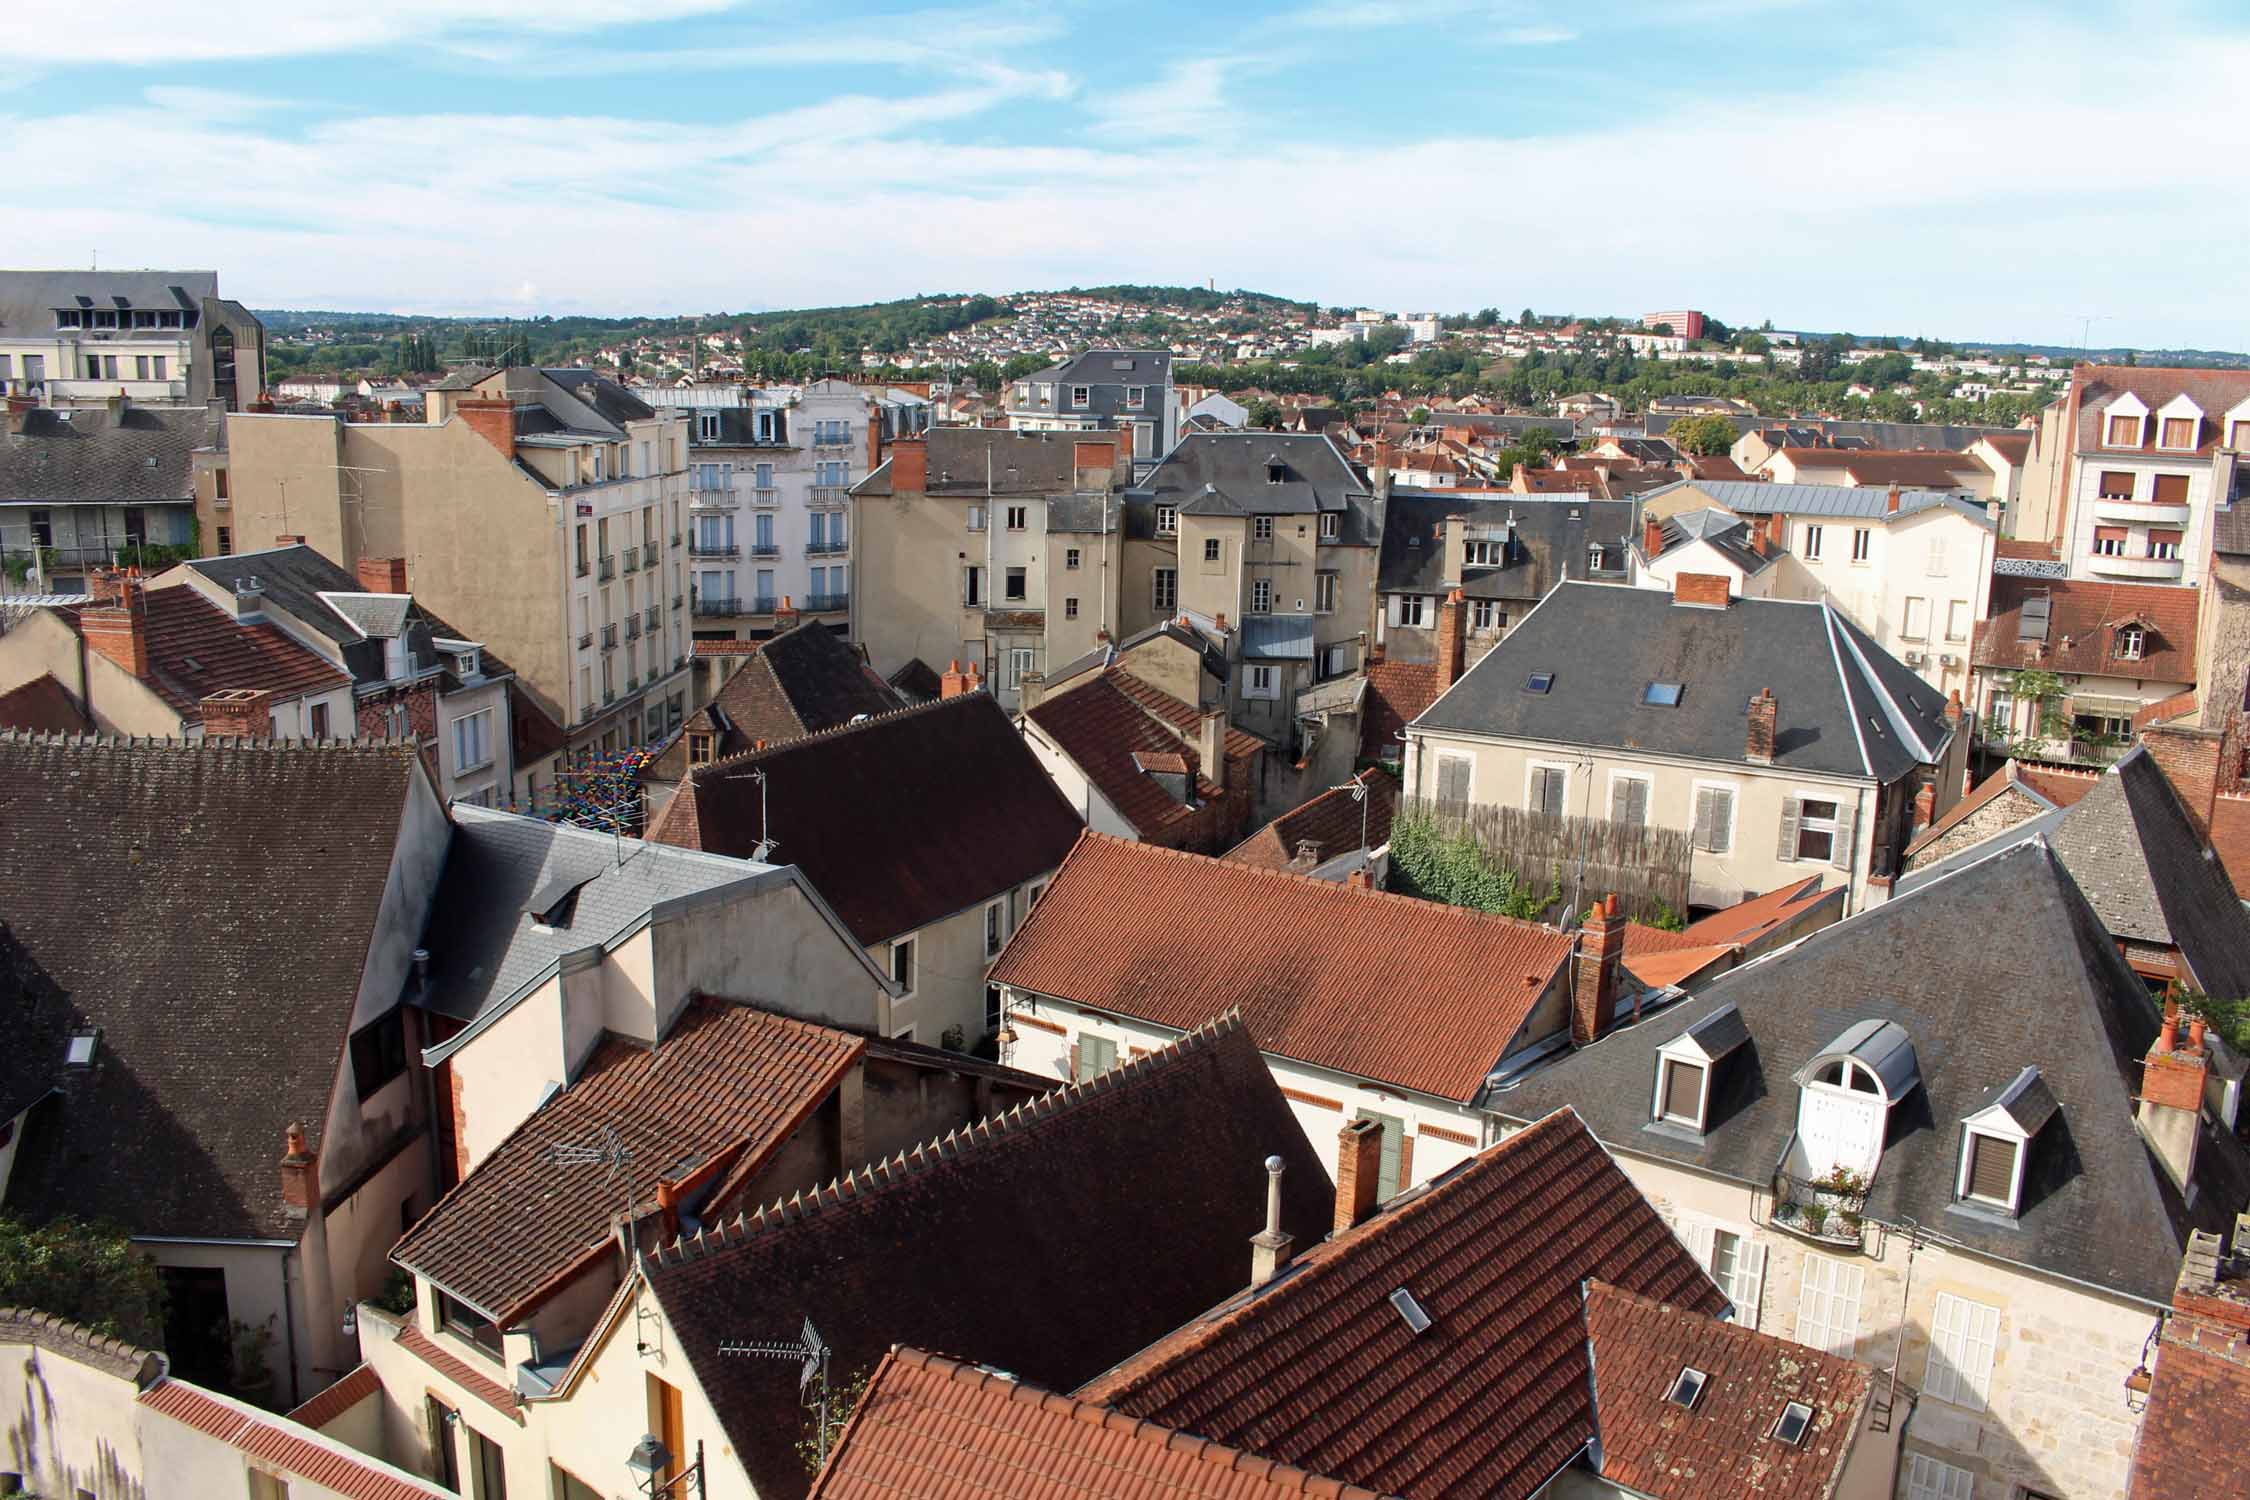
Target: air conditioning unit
{"x":1914,"y":658}
{"x":1949,"y":659}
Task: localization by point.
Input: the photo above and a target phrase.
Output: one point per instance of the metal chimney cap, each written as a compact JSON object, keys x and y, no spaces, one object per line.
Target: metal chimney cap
{"x":1275,"y":1164}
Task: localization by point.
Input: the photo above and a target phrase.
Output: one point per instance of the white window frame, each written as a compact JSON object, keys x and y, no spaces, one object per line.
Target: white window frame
{"x":1018,"y":516}
{"x":2132,"y":643}
{"x":1956,"y":619}
{"x":1971,"y":1133}
{"x":1828,"y":1304}
{"x":1167,"y":520}
{"x":1531,"y":772}
{"x":976,"y":518}
{"x":1964,"y":1343}
{"x":1665,"y":1062}
{"x":1407,"y":611}
{"x":1745,"y":1286}
{"x":1331,"y":525}
{"x":1834,"y":826}
{"x":1484,"y":614}
{"x":1328,"y":585}
{"x":1863,"y":546}
{"x":1164,"y":590}
{"x":995,"y":927}
{"x":1930,"y":1478}
{"x":1081,"y":397}
{"x":1261,"y":528}
{"x":1734,"y":812}
{"x":1907,"y":628}
{"x":1136,"y":397}
{"x":1810,"y":544}
{"x":478,"y":726}
{"x":910,"y":942}
{"x":1261,"y":596}
{"x":1261,"y":681}
{"x":1214,"y":550}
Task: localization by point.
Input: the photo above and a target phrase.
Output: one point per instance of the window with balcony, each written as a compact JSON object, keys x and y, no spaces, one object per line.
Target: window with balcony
{"x":2116,"y":484}
{"x":2178,"y":433}
{"x":2164,"y":544}
{"x":2109,"y":541}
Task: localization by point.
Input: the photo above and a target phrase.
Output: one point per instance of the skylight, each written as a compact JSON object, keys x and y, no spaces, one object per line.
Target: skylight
{"x":1796,"y":1421}
{"x":1662,"y":694}
{"x":1687,"y":1387}
{"x":80,"y":1053}
{"x":1416,"y":1320}
{"x":1539,"y":682}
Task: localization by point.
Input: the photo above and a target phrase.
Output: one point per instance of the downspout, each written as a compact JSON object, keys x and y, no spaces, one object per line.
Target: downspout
{"x":289,"y":1327}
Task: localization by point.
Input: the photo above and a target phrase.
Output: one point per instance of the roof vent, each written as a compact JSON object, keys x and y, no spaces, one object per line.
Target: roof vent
{"x":1687,"y":1387}
{"x":1795,"y":1422}
{"x":1416,"y":1320}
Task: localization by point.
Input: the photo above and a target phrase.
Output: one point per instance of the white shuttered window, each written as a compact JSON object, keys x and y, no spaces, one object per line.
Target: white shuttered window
{"x":1928,"y":1479}
{"x":1828,"y":1305}
{"x":1964,"y":1336}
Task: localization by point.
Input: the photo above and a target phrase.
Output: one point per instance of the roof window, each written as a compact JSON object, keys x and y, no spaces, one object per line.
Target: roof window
{"x":1996,"y":1138}
{"x":1687,"y":1388}
{"x":1417,"y":1320}
{"x":1539,"y":682}
{"x":1662,"y":694}
{"x":1794,"y":1423}
{"x":80,"y":1052}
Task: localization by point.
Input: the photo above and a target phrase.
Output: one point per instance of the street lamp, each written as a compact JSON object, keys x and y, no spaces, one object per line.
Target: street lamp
{"x":648,"y":1461}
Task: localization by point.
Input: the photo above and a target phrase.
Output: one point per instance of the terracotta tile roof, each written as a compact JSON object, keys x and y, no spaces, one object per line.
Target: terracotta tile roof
{"x":43,"y":704}
{"x":1397,"y":693}
{"x":458,"y":1370}
{"x":2026,"y":549}
{"x":282,"y":1444}
{"x":1117,"y":742}
{"x":929,"y":1426}
{"x":1022,"y":1242}
{"x":2230,"y":836}
{"x":2179,"y":705}
{"x":1910,"y":467}
{"x":1181,"y":716}
{"x":1724,"y":1445}
{"x":1318,"y":1368}
{"x":2188,"y":1447}
{"x":897,"y":821}
{"x":1658,"y":958}
{"x":1316,"y":985}
{"x":196,"y":649}
{"x":2012,"y":446}
{"x":339,"y":1398}
{"x":1333,"y":820}
{"x":1747,"y":921}
{"x":2083,"y":614}
{"x":2216,"y":391}
{"x":721,"y":1093}
{"x":1713,"y":466}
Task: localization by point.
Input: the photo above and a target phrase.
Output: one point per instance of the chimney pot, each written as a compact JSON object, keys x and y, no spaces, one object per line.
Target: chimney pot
{"x":1925,"y":806}
{"x":1359,"y":1171}
{"x":1758,"y":733}
{"x":300,"y":1173}
{"x":1594,"y":977}
{"x":2171,"y":1107}
{"x":1269,"y":1248}
{"x":1892,"y":507}
{"x":1361,"y":879}
{"x":383,"y":575}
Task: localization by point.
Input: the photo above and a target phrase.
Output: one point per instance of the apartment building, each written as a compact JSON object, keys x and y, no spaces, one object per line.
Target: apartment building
{"x":1503,"y":552}
{"x":98,"y":486}
{"x":769,"y":507}
{"x":1775,"y":734}
{"x":1103,"y":390}
{"x":2127,"y":469}
{"x":1910,"y":567}
{"x":77,"y":337}
{"x":991,"y":548}
{"x":1268,"y":542}
{"x":548,"y":505}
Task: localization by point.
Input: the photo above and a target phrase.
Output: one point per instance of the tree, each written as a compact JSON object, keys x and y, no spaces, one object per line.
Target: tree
{"x":1266,"y":414}
{"x":1419,"y":415}
{"x":1526,"y":320}
{"x":1662,"y":330}
{"x":88,"y":1273}
{"x":1703,"y":436}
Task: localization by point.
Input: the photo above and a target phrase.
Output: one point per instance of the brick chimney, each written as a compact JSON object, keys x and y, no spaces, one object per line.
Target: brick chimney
{"x":238,"y":713}
{"x":1361,"y":879}
{"x":1093,"y":464}
{"x":1757,"y":735}
{"x":1702,"y":590}
{"x":874,"y":441}
{"x":2191,"y":760}
{"x":953,"y":682}
{"x":1212,"y":742}
{"x":1652,"y":537}
{"x":1452,"y":639}
{"x":119,"y":630}
{"x":383,"y":575}
{"x":287,"y":539}
{"x":494,"y":420}
{"x":910,"y":466}
{"x":1269,"y":1247}
{"x":2171,"y":1105}
{"x":1601,"y":948}
{"x":1890,"y":506}
{"x":300,"y":1174}
{"x":1925,"y":806}
{"x":1359,"y":1172}
{"x":20,"y":409}
{"x":101,"y":584}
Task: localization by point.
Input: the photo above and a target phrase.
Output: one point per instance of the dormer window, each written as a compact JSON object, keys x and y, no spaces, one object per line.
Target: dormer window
{"x":707,"y":427}
{"x":1844,"y":1100}
{"x":1276,"y":471}
{"x":2131,"y":641}
{"x":1996,"y":1142}
{"x":2124,"y":423}
{"x":1686,"y":1065}
{"x":1167,"y":520}
{"x":2179,"y":425}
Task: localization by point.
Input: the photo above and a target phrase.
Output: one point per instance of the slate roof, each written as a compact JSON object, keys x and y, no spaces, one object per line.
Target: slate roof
{"x":898,"y":822}
{"x":28,"y":299}
{"x":1881,"y":467}
{"x":799,"y":682}
{"x":2010,"y":779}
{"x":1111,"y":738}
{"x":601,"y":395}
{"x":1333,"y":820}
{"x":1551,"y":541}
{"x":1318,"y":1369}
{"x":142,"y":455}
{"x":972,"y":461}
{"x":1726,"y":534}
{"x":209,"y":908}
{"x":1214,"y":660}
{"x":929,"y":1426}
{"x":1829,"y":501}
{"x":1101,"y":367}
{"x":1845,"y":705}
{"x":2129,"y":845}
{"x":917,"y":681}
{"x":2051,"y":991}
{"x":1320,"y":984}
{"x":729,"y":1084}
{"x":2082,"y":618}
{"x":1158,"y":1161}
{"x":1228,"y":471}
{"x":487,"y":949}
{"x":43,"y":704}
{"x":1725,"y":1444}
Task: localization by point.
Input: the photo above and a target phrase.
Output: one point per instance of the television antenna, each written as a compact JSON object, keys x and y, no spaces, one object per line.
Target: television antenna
{"x":609,"y":1151}
{"x":767,"y":843}
{"x":811,"y":1351}
{"x":1357,"y":786}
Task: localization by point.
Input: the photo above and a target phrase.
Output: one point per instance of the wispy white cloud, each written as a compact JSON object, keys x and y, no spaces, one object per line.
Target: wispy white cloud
{"x":1187,"y":100}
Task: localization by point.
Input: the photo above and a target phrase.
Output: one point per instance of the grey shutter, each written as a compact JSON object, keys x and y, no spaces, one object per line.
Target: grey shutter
{"x":1847,"y":824}
{"x":1789,"y":815}
{"x":1992,"y":1168}
{"x":1636,"y":806}
{"x":1722,"y":819}
{"x":1683,"y":1091}
{"x":1706,"y":818}
{"x":1547,"y":790}
{"x":1621,"y":800}
{"x":1452,"y":780}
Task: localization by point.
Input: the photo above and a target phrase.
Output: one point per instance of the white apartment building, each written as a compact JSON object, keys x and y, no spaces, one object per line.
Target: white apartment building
{"x":72,"y":337}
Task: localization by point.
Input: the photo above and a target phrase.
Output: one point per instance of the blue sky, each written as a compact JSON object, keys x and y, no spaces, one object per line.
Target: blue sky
{"x":2000,"y":171}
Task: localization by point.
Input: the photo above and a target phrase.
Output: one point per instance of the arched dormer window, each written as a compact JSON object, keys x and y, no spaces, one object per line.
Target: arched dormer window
{"x":1845,"y":1096}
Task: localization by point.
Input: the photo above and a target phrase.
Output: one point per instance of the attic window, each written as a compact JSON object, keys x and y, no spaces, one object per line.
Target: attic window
{"x":1276,"y":471}
{"x":1662,"y":694}
{"x":1687,"y":1387}
{"x":556,"y":901}
{"x":1417,"y":1320}
{"x":1539,"y":682}
{"x":1795,"y":1422}
{"x":2130,"y":641}
{"x":80,"y":1052}
{"x":2032,"y":624}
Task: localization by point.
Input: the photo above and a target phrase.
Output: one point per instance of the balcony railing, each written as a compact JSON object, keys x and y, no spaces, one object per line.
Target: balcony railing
{"x":718,"y":609}
{"x":632,"y":627}
{"x":655,"y":617}
{"x":830,"y":494}
{"x":609,"y":696}
{"x":609,"y":637}
{"x":766,"y":549}
{"x":765,"y":496}
{"x":763,"y":604}
{"x":632,"y":684}
{"x":826,"y":546}
{"x":675,"y":539}
{"x":841,"y":439}
{"x":586,"y":641}
{"x":713,"y":549}
{"x":822,"y":603}
{"x":584,"y":567}
{"x":632,"y":563}
{"x":608,"y":569}
{"x":1826,"y":1209}
{"x":2140,"y":512}
{"x":714,"y":500}
{"x":678,"y":600}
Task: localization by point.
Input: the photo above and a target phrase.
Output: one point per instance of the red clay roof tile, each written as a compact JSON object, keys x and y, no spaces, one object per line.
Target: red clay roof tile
{"x":339,"y":1398}
{"x":1320,"y":981}
{"x":196,"y":649}
{"x":43,"y":704}
{"x":458,"y":1370}
{"x":1336,"y":821}
{"x":1116,"y":741}
{"x":2081,"y":634}
{"x":1397,"y":693}
{"x":279,"y":1443}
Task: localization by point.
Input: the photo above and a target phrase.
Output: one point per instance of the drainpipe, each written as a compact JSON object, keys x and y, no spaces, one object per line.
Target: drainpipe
{"x":289,"y":1327}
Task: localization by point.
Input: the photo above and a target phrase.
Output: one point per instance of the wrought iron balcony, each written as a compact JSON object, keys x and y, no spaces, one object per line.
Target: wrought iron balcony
{"x":824,"y":603}
{"x":717,"y":608}
{"x":608,"y":569}
{"x":766,"y":549}
{"x":764,"y":604}
{"x":609,"y":637}
{"x":714,"y":549}
{"x":826,"y":546}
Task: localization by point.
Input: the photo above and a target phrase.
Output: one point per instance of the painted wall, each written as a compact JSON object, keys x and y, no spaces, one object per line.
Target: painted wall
{"x":70,"y":1426}
{"x":1085,"y":799}
{"x":769,"y":945}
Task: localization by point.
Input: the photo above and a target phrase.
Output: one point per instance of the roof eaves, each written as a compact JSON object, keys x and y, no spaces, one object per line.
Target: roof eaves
{"x":1859,"y":736}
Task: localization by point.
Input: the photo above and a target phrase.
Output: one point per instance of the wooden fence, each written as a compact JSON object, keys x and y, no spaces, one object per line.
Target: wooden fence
{"x":1646,"y":867}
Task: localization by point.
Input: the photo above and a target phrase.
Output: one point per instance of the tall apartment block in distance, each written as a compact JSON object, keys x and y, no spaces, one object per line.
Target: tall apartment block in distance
{"x":70,"y":338}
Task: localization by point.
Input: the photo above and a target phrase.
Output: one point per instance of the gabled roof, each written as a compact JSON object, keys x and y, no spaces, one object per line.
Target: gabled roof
{"x":209,"y":908}
{"x":2042,"y":791}
{"x":1551,"y":536}
{"x":2129,"y":845}
{"x":1397,"y":693}
{"x":1747,"y":921}
{"x":1726,"y":534}
{"x":2216,"y":391}
{"x":1318,"y":1368}
{"x":89,"y":455}
{"x":1109,"y":737}
{"x":1725,"y":1443}
{"x":800,"y":682}
{"x":43,"y":704}
{"x":1110,"y":367}
{"x":2052,"y":991}
{"x":729,"y":1085}
{"x":1338,"y":821}
{"x":1846,"y":706}
{"x":929,"y":1426}
{"x":29,"y":299}
{"x":2083,"y":617}
{"x":1233,"y":468}
{"x":196,"y":649}
{"x":898,"y":821}
{"x":1053,"y":1211}
{"x":1126,"y":928}
{"x":278,"y":1443}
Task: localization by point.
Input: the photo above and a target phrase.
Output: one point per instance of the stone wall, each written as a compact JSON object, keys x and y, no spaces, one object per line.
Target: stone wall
{"x":1996,"y":817}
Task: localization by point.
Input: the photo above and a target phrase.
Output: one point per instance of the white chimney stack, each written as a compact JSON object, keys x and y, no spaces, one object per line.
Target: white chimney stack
{"x":1269,"y":1248}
